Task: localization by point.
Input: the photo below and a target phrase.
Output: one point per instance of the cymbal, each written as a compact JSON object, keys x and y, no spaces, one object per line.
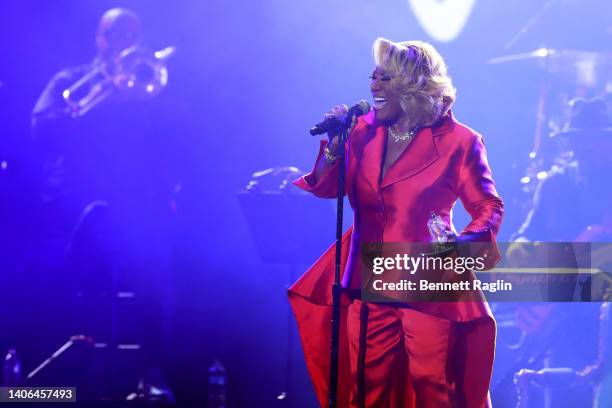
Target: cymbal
{"x":584,"y":68}
{"x":554,"y":54}
{"x":578,"y":132}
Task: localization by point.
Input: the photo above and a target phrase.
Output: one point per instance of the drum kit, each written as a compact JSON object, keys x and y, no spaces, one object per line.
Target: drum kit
{"x":574,"y":102}
{"x":571,"y":80}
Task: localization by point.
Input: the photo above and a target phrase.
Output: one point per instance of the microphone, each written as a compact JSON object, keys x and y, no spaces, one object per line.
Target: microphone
{"x":361,"y":108}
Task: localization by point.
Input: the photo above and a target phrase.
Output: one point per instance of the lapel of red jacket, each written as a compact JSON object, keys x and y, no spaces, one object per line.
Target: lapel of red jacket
{"x":372,"y":149}
{"x":419,"y":155}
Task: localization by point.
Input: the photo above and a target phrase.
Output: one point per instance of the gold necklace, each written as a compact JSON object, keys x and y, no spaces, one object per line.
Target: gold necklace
{"x":401,"y":137}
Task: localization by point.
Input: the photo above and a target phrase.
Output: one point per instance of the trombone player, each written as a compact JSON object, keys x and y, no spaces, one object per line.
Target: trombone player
{"x":107,"y":185}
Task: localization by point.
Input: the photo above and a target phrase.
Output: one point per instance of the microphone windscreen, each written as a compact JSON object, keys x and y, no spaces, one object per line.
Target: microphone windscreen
{"x":364,"y":107}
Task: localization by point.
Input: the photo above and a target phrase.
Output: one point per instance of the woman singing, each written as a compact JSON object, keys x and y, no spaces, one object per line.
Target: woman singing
{"x":407,"y":158}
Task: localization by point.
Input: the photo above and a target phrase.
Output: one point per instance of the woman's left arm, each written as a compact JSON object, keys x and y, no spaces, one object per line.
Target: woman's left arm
{"x":476,"y":190}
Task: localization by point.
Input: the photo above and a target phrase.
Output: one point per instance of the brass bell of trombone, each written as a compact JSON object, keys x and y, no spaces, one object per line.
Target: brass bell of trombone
{"x":139,"y":74}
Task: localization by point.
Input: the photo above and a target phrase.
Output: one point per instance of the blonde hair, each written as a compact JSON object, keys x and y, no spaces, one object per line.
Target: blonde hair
{"x":426,"y":89}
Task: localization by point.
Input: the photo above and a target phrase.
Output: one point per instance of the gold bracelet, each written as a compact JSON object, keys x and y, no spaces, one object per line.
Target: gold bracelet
{"x":329,"y":156}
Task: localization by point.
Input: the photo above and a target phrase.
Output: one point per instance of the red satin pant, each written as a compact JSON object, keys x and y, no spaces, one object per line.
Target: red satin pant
{"x":390,"y":344}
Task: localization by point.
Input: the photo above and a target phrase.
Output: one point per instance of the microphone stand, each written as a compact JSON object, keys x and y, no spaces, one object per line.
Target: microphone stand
{"x":337,"y":286}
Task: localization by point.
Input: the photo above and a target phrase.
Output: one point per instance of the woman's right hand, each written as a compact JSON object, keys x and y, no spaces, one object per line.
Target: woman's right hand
{"x":333,"y":135}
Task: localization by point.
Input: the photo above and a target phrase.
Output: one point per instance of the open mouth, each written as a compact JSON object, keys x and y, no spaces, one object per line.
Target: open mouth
{"x":379,"y":102}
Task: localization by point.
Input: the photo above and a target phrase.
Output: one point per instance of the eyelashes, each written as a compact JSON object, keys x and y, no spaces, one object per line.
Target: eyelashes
{"x":386,"y":79}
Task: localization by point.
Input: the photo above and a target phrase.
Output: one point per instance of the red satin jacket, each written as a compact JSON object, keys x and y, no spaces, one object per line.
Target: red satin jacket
{"x":443,"y":163}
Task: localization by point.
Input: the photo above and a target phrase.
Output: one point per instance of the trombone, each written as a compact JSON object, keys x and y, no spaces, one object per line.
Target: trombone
{"x":139,"y":74}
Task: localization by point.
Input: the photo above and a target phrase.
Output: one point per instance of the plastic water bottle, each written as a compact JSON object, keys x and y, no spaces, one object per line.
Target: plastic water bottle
{"x":217,"y":397}
{"x":438,"y":230}
{"x":11,"y":369}
{"x":442,"y":236}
